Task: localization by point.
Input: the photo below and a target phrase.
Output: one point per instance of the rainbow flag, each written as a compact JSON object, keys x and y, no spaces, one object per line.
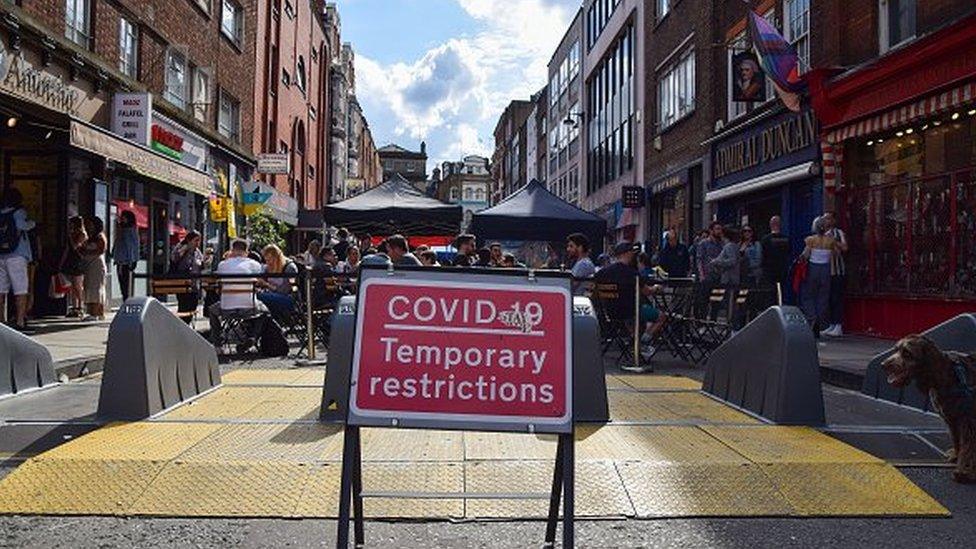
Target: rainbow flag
{"x":779,"y":60}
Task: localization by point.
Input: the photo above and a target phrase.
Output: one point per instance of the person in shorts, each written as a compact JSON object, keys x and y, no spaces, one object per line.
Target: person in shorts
{"x":16,"y":256}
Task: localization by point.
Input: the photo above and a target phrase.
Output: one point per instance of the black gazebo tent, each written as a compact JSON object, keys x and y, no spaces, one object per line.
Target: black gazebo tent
{"x":534,"y":213}
{"x":394,"y":206}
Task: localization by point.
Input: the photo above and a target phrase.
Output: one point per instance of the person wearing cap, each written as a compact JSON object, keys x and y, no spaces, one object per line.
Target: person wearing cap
{"x":465,"y":244}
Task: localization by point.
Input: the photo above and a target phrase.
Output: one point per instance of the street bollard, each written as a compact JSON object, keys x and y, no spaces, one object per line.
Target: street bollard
{"x":309,"y":316}
{"x":779,"y":294}
{"x":637,"y":320}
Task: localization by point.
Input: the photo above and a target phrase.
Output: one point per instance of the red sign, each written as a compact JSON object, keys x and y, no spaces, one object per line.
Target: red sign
{"x":455,"y":354}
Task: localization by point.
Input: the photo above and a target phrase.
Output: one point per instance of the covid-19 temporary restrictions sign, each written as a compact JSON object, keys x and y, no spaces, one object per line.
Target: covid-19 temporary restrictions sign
{"x":443,"y":349}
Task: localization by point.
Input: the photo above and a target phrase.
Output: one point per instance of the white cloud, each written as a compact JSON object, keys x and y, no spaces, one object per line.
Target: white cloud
{"x":453,"y":95}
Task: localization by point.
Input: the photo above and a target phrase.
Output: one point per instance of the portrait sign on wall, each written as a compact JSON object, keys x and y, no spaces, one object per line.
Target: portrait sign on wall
{"x":748,"y":79}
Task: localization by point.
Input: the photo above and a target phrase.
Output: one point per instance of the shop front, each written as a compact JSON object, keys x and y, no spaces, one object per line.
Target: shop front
{"x":673,"y":204}
{"x":902,"y":154}
{"x":766,"y":167}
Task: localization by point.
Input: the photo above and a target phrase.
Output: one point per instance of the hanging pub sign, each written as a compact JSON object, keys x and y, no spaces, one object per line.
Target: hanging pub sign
{"x":748,"y":79}
{"x":633,"y":196}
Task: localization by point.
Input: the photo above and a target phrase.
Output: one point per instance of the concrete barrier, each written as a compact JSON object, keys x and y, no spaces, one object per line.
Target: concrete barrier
{"x":590,"y":403}
{"x":153,"y":362}
{"x":770,"y":368}
{"x":24,"y":364}
{"x":956,"y":334}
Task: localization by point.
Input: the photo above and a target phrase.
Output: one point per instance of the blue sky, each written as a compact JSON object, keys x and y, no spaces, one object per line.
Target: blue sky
{"x":443,"y":70}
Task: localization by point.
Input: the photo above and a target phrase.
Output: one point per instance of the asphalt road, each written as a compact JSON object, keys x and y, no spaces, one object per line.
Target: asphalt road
{"x":958,"y":531}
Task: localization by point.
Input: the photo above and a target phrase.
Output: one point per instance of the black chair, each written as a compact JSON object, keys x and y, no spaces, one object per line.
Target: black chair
{"x":615,"y":324}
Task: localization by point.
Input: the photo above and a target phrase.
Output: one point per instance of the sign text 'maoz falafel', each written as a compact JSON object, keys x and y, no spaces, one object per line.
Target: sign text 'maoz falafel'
{"x":464,"y":353}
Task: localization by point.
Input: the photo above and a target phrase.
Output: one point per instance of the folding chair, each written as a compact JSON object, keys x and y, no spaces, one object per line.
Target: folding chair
{"x":240,"y":327}
{"x":162,"y":287}
{"x":615,"y":327}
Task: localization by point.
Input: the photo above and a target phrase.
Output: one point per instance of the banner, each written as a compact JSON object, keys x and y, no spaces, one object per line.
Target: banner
{"x":749,"y":80}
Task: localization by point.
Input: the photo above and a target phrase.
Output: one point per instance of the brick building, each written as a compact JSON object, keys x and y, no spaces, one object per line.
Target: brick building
{"x":411,"y":165}
{"x":181,"y":77}
{"x":566,"y":164}
{"x":681,"y":112}
{"x":895,"y":96}
{"x":508,"y":162}
{"x":613,"y":62}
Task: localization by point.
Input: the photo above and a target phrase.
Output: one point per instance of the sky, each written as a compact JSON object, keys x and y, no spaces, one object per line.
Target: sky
{"x":444,"y":70}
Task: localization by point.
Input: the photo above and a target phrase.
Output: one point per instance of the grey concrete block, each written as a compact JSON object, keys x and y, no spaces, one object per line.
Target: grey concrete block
{"x":956,"y":334}
{"x":771,"y":369}
{"x":24,"y":363}
{"x":153,"y":362}
{"x":335,"y":397}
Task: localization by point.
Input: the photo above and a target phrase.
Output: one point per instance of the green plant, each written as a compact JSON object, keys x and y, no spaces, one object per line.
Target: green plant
{"x":263,"y":230}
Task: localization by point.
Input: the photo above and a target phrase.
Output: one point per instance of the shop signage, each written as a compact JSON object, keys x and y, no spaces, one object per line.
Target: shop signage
{"x":19,"y":77}
{"x":140,"y":159}
{"x":491,"y":353}
{"x":273,"y":163}
{"x":791,"y":134}
{"x":131,"y":116}
{"x":192,"y":149}
{"x":633,"y":196}
{"x":670,"y":182}
{"x":265,"y":198}
{"x":167,"y":142}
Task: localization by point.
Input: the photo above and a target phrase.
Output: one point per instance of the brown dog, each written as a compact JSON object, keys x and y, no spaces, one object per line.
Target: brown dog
{"x":949,"y":379}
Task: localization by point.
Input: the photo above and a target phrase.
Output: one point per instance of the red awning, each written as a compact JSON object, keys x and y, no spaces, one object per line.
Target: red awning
{"x":141,"y":212}
{"x":415,"y":241}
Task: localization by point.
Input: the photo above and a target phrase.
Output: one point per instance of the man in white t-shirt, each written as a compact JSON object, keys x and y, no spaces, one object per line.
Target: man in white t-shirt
{"x":237,"y":296}
{"x":578,"y":251}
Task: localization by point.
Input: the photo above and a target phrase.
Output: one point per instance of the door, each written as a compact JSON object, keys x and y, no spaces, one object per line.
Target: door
{"x":160,"y":237}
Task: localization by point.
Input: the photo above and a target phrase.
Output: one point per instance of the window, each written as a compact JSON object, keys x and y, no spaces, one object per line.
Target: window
{"x":468,"y":194}
{"x":201,"y":93}
{"x":77,"y":22}
{"x":232,"y":22}
{"x":676,"y":91}
{"x":574,"y":60}
{"x":663,"y":7}
{"x":797,"y":29}
{"x":203,"y":4}
{"x":300,"y":73}
{"x":289,"y":9}
{"x":597,"y":17}
{"x":285,"y":78}
{"x":127,"y":48}
{"x":175,"y":86}
{"x":554,"y":88}
{"x":896,"y":22}
{"x":454,"y":194}
{"x":610,"y":114}
{"x":229,"y":119}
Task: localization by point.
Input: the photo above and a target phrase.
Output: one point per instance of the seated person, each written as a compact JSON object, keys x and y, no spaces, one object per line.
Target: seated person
{"x":277,"y":291}
{"x":399,"y":252}
{"x":652,"y":319}
{"x":236,"y":295}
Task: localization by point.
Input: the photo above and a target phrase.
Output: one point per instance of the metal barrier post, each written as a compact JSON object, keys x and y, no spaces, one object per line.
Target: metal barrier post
{"x":637,"y":320}
{"x":309,"y":315}
{"x":779,"y":294}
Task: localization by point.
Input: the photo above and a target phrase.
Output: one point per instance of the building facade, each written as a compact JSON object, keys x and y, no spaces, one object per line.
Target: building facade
{"x":765,"y":159}
{"x":411,"y":165}
{"x":363,"y":170}
{"x":681,"y":108}
{"x":508,"y":162}
{"x":144,"y":106}
{"x":466,"y":182}
{"x":898,"y":128}
{"x":566,"y":164}
{"x":612,"y":63}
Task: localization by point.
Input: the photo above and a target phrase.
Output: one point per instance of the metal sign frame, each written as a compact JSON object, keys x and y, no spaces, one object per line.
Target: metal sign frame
{"x":351,"y":493}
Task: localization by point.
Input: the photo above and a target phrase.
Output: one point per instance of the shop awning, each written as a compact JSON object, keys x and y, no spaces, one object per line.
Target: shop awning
{"x":902,"y":116}
{"x":141,"y":159}
{"x":395,"y":206}
{"x":774,"y":179}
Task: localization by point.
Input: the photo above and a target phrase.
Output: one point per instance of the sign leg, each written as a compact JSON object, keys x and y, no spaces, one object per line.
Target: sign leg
{"x":555,"y":495}
{"x":345,"y":487}
{"x":357,"y":490}
{"x":569,"y":486}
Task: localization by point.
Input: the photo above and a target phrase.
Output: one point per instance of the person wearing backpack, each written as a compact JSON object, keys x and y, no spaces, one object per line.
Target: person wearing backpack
{"x":15,"y":254}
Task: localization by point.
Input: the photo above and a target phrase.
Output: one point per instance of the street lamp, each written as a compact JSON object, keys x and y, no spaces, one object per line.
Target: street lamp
{"x":573,"y":119}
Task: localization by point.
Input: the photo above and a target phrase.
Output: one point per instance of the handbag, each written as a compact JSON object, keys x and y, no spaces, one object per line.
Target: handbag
{"x":59,"y":287}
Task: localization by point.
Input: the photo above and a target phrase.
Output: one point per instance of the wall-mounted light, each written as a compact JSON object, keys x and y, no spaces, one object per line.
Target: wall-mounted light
{"x":971,"y":112}
{"x":12,"y":122}
{"x":870,"y":143}
{"x":909,"y":131}
{"x":900,"y":134}
{"x":955,"y":116}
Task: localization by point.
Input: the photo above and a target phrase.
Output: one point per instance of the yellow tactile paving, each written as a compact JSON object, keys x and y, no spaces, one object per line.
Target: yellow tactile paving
{"x":701,"y":489}
{"x":286,"y":403}
{"x":314,"y":377}
{"x":780,"y":444}
{"x":262,"y":376}
{"x":480,"y":446}
{"x":683,"y":407}
{"x":599,"y":489}
{"x":850,"y":489}
{"x":133,"y":441}
{"x":226,"y":489}
{"x":321,"y":494}
{"x":652,"y":444}
{"x":657,"y":382}
{"x":411,"y":445}
{"x":76,"y":487}
{"x":294,"y":443}
{"x":614,"y":382}
{"x":222,"y":403}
